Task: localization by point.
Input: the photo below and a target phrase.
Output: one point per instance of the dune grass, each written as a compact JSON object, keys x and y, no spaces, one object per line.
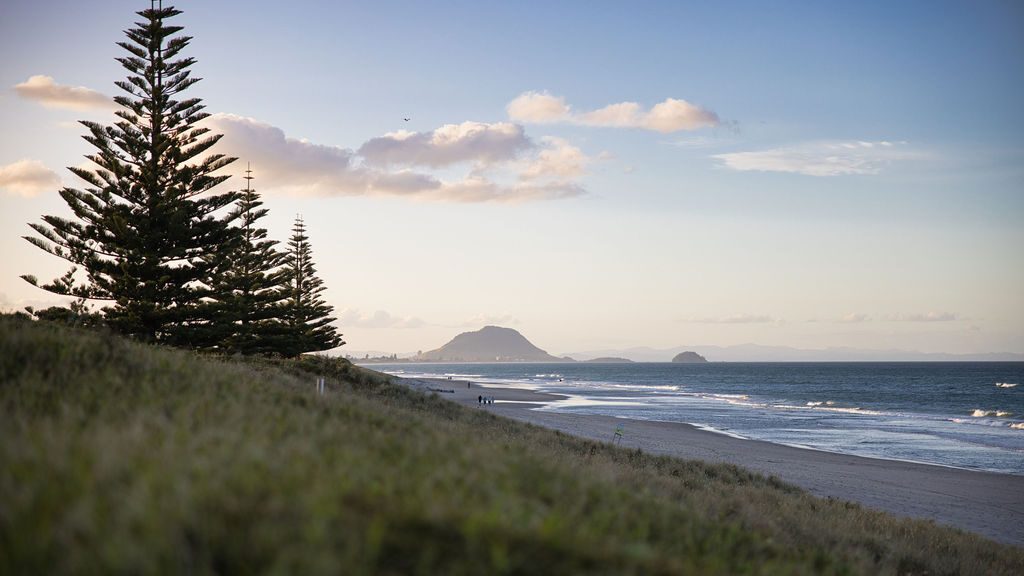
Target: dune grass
{"x":117,"y":457}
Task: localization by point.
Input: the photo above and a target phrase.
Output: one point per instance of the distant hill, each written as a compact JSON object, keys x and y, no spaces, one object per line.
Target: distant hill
{"x":756,"y":353}
{"x":689,"y":358}
{"x":489,"y":344}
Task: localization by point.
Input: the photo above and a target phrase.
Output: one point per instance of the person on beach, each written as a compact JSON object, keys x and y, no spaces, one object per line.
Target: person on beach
{"x":479,"y":399}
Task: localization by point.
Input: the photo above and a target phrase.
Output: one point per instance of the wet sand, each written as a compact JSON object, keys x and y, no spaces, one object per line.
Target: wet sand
{"x":987,"y":503}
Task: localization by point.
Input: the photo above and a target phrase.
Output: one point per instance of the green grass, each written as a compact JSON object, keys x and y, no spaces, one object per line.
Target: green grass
{"x":117,"y":457}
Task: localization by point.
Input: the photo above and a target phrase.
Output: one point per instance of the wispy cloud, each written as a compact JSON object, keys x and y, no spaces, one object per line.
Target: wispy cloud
{"x":832,"y":158}
{"x":28,"y":178}
{"x":928,"y":317}
{"x":46,"y":91}
{"x":697,"y":142}
{"x":381,"y":319}
{"x":672,"y":115}
{"x":475,"y":142}
{"x":734,"y":319}
{"x":376,"y":320}
{"x":481,"y":320}
{"x":503,"y":164}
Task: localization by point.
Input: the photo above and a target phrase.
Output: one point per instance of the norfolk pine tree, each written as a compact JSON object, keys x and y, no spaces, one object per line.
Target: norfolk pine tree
{"x":145,"y":229}
{"x":248,"y":293}
{"x":307,"y":315}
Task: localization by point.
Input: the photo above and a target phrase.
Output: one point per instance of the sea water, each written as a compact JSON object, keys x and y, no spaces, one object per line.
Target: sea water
{"x":962,"y":414}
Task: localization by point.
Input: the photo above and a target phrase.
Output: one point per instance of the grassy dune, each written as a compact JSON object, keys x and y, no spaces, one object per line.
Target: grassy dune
{"x":117,"y":457}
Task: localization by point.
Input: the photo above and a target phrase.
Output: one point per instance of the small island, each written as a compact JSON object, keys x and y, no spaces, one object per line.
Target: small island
{"x":689,"y":358}
{"x":609,"y":360}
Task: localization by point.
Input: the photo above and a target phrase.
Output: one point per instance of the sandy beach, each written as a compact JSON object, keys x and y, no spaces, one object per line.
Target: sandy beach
{"x":989,"y":504}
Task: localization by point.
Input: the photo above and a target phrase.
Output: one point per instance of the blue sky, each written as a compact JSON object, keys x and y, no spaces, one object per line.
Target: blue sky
{"x":594,"y":175}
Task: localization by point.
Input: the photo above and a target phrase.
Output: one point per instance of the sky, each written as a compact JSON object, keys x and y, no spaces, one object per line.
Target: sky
{"x":595,"y":175}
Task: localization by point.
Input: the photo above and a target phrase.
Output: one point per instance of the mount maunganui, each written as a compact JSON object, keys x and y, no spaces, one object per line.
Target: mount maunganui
{"x":489,"y":344}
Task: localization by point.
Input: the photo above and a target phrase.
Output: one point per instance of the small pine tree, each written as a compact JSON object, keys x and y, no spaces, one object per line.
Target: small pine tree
{"x":144,"y":230}
{"x":307,"y":315}
{"x":248,"y":293}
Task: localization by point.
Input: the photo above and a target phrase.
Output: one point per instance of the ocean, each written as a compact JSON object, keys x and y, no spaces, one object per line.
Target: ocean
{"x":961,"y":414}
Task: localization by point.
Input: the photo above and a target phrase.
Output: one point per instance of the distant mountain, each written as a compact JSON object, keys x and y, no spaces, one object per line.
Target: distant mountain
{"x":489,"y":344}
{"x":758,"y":353}
{"x":689,"y":357}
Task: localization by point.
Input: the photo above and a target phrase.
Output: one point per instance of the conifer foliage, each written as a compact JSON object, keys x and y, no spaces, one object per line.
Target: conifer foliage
{"x":308,"y":316}
{"x":174,"y":260}
{"x":146,"y":230}
{"x":250,"y":293}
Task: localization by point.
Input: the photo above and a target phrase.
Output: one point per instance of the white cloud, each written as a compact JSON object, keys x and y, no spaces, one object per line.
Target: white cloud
{"x":505,"y":165}
{"x":28,"y":178}
{"x":298,"y":167}
{"x":538,"y":108}
{"x":929,"y":317}
{"x":735,"y":319}
{"x":477,"y":189}
{"x":481,"y":320}
{"x":832,"y":158}
{"x":352,"y":317}
{"x":695,"y":142}
{"x":449,"y":144}
{"x":672,"y":115}
{"x":46,"y":91}
{"x":558,"y":160}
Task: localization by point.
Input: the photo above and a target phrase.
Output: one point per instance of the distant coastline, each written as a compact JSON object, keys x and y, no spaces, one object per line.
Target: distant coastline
{"x":742,"y":353}
{"x":568,"y":360}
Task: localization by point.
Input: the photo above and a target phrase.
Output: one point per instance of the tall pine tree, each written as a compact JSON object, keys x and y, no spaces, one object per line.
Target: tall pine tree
{"x":144,"y":229}
{"x":307,"y":315}
{"x":248,"y":293}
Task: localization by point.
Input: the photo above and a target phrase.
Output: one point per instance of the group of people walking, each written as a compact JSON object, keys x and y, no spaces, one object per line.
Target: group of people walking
{"x":485,"y":400}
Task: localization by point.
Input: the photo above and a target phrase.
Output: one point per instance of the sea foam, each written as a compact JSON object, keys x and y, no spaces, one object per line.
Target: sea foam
{"x":991,"y":413}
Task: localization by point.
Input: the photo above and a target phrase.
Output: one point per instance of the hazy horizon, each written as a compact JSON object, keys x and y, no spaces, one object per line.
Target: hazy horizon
{"x":597,"y":176}
{"x":744,"y":352}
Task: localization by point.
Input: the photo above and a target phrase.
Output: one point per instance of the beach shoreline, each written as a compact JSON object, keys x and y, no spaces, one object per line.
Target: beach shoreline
{"x":987,"y":503}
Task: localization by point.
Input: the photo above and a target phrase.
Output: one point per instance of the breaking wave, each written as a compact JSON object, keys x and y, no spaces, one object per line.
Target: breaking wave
{"x":991,"y":414}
